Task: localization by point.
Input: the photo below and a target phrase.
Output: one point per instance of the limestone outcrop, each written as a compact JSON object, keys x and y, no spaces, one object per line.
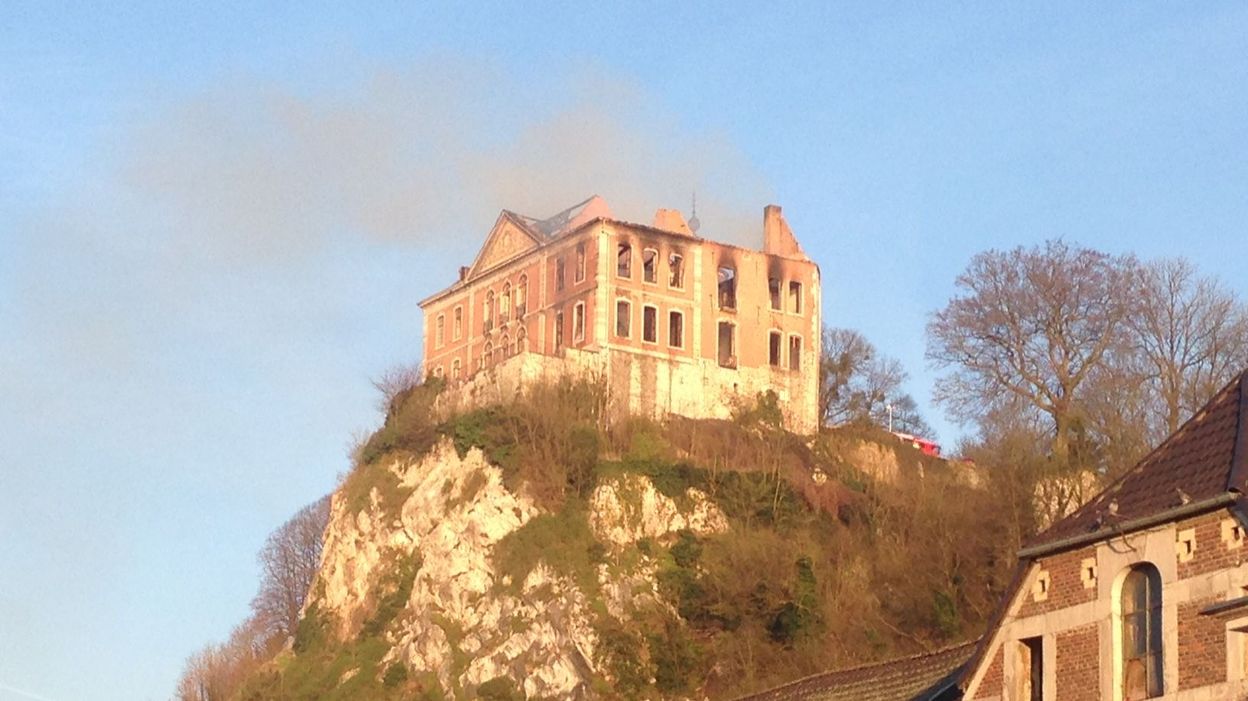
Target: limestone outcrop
{"x":464,"y":621}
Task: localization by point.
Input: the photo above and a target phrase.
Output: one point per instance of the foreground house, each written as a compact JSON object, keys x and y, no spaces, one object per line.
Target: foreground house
{"x":672,"y":322}
{"x":1143,"y":592}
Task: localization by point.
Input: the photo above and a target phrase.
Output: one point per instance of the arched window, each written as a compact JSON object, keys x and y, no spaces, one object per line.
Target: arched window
{"x":504,"y":304}
{"x":487,"y":355}
{"x":1140,"y":610}
{"x":521,"y":337}
{"x":455,"y":369}
{"x":487,"y":312}
{"x":504,"y":348}
{"x":522,"y":294}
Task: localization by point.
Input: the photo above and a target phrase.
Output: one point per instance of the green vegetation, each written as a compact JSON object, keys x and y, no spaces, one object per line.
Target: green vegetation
{"x":562,"y":540}
{"x":809,"y":576}
{"x":500,"y":689}
{"x":322,"y":668}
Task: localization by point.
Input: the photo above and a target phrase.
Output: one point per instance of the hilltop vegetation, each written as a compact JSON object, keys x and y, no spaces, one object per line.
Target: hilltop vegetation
{"x":834,"y":550}
{"x":818,"y":568}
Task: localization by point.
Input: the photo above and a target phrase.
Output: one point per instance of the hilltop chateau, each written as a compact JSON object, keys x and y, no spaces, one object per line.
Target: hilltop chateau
{"x":672,"y":322}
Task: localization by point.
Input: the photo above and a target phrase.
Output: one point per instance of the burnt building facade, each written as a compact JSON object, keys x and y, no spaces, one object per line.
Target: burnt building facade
{"x":672,"y":322}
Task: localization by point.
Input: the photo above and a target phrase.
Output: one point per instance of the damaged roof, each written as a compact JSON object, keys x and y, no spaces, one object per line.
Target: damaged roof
{"x":551,"y":227}
{"x":927,"y":677}
{"x":1205,"y":459}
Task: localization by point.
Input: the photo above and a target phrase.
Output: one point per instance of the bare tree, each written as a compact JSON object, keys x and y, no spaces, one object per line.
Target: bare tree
{"x":1191,"y":336}
{"x":858,"y":384}
{"x":1031,"y":323}
{"x":289,"y":562}
{"x":396,"y":383}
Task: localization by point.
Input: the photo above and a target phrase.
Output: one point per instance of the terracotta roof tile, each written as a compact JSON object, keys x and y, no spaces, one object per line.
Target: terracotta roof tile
{"x":1199,"y":461}
{"x":919,"y":678}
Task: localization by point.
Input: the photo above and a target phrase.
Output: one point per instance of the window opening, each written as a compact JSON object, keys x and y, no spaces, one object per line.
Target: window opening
{"x":676,"y":330}
{"x":650,"y":324}
{"x":795,"y":353}
{"x":522,"y":338}
{"x":487,"y":312}
{"x":727,"y":345}
{"x":440,"y":331}
{"x":773,"y":290}
{"x":1141,"y":633}
{"x":504,"y":347}
{"x":623,"y":318}
{"x":522,"y":296}
{"x":773,"y":349}
{"x":580,"y":262}
{"x":458,"y":325}
{"x":455,"y":368}
{"x":504,"y":304}
{"x":624,"y":260}
{"x":795,"y":297}
{"x":487,"y":355}
{"x":578,"y":322}
{"x":558,"y":329}
{"x":727,"y":288}
{"x":650,"y":265}
{"x":676,"y":270}
{"x":559,"y":281}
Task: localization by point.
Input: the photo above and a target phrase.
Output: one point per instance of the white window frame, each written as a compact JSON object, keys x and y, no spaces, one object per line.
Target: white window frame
{"x":644,"y":309}
{"x":671,"y":315}
{"x":629,"y":326}
{"x":578,"y":319}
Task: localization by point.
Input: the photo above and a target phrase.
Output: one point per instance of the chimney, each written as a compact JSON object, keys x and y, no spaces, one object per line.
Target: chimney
{"x":463,"y":272}
{"x":778,"y":238}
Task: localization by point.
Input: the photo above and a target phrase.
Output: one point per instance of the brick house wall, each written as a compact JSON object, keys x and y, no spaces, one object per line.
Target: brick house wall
{"x":1068,"y":599}
{"x":1077,"y":665}
{"x":1202,"y":646}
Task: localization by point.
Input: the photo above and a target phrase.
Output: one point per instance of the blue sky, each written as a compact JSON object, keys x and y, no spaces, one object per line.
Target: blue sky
{"x":215,"y":223}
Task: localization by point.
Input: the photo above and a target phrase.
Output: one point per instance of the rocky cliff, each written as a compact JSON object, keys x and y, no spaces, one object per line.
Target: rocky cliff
{"x":532,"y":550}
{"x":464,"y":620}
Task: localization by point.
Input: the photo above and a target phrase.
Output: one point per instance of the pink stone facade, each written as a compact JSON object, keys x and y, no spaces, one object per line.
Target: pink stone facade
{"x":675,"y":323}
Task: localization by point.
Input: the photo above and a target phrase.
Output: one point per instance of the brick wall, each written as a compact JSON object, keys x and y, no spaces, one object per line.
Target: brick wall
{"x":1065,"y":583}
{"x":993,"y":682}
{"x":1078,"y":664}
{"x":1211,"y":553}
{"x":1202,"y":646}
